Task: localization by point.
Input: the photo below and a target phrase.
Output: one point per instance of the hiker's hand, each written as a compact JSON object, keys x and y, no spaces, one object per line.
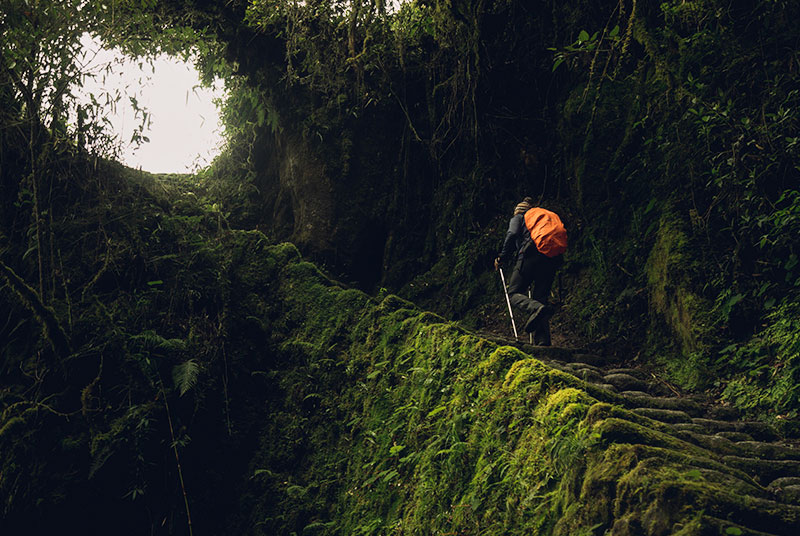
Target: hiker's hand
{"x":497,"y":264}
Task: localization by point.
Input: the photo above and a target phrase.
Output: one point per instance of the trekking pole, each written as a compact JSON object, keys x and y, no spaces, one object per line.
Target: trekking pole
{"x":530,"y":335}
{"x":508,"y":302}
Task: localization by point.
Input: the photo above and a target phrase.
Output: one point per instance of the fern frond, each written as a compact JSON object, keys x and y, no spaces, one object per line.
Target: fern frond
{"x":151,"y":341}
{"x":185,"y":375}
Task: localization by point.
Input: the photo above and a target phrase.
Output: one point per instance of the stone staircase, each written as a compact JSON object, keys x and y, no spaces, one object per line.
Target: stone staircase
{"x":767,"y":462}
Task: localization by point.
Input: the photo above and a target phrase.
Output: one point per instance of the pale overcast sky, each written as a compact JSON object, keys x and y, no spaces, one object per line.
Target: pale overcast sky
{"x":184,"y":122}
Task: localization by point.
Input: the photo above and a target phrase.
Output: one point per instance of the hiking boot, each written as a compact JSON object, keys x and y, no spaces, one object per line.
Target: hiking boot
{"x":541,"y":337}
{"x":542,"y":313}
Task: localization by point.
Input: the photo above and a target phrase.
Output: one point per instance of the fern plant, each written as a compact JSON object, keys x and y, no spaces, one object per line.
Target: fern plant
{"x":185,"y":375}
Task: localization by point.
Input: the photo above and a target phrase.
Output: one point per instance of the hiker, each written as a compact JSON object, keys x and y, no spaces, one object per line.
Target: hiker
{"x":535,"y":241}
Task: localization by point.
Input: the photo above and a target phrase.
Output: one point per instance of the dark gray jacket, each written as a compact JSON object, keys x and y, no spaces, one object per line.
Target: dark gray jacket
{"x":517,"y":240}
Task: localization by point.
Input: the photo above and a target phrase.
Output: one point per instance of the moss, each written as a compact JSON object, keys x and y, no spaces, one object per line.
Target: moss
{"x":676,"y":304}
{"x":523,"y":373}
{"x":614,"y":430}
{"x":500,"y":360}
{"x":565,"y":404}
{"x":668,"y":295}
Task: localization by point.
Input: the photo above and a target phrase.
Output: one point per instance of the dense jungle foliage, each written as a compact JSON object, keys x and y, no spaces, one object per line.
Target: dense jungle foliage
{"x":166,"y":362}
{"x":390,"y":147}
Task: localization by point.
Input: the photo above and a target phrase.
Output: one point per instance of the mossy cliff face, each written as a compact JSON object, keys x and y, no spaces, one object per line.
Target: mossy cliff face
{"x":387,"y":419}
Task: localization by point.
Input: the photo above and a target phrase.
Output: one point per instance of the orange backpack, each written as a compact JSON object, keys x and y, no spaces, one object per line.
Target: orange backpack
{"x":547,"y":231}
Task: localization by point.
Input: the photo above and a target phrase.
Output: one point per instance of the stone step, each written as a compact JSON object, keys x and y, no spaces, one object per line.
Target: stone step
{"x":659,"y":389}
{"x":789,"y":494}
{"x":589,"y":359}
{"x":587,"y":375}
{"x":771,"y":451}
{"x":669,"y":416}
{"x":764,"y":471}
{"x":690,"y":427}
{"x":626,"y":382}
{"x":715,"y":443}
{"x":703,"y":430}
{"x":722,"y":413}
{"x":784,"y":481}
{"x":578,"y":365}
{"x":635,"y":394}
{"x":720,"y":444}
{"x":688,"y":405}
{"x":713,"y":428}
{"x":636,"y":373}
{"x":735,"y":436}
{"x":607,"y":387}
{"x":755,"y":429}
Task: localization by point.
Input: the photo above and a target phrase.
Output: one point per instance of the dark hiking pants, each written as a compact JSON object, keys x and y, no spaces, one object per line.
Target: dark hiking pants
{"x":538,"y":270}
